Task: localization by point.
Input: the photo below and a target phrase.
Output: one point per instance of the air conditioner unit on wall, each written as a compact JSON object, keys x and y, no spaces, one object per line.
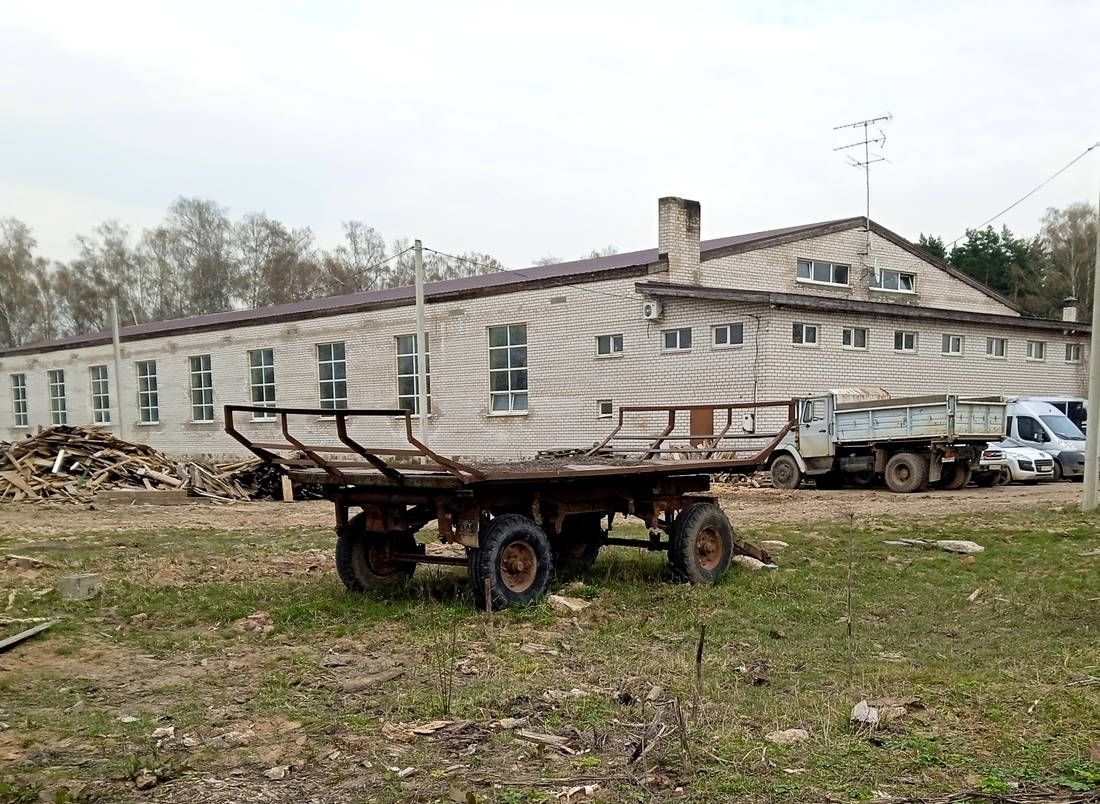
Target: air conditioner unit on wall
{"x":652,"y":310}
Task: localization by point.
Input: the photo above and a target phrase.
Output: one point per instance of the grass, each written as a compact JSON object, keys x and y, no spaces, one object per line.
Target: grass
{"x":1002,"y":680}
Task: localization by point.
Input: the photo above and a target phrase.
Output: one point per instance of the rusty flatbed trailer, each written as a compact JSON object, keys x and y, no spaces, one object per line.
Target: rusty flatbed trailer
{"x":521,"y":521}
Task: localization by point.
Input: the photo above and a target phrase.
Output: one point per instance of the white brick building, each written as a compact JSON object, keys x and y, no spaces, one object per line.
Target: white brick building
{"x":524,"y":360}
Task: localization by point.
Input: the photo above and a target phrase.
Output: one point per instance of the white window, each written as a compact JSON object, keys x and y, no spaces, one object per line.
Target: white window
{"x":729,"y":335}
{"x":508,"y":369}
{"x":148,"y":398}
{"x":996,"y":347}
{"x":202,"y":389}
{"x":101,"y":395}
{"x":332,"y":373}
{"x":899,"y":281}
{"x":261,"y":380}
{"x":952,"y":344}
{"x":609,"y":345}
{"x":408,"y":373}
{"x":605,"y":408}
{"x":1036,"y":350}
{"x":854,"y":338}
{"x":905,"y":341}
{"x":55,"y":378}
{"x":825,"y":273}
{"x":19,"y":399}
{"x":676,"y":340}
{"x":1073,"y":353}
{"x":804,"y":334}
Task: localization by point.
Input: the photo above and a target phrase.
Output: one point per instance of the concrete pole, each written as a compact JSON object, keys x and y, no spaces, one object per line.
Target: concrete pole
{"x":118,"y":368}
{"x":421,"y":345}
{"x":1092,"y":437}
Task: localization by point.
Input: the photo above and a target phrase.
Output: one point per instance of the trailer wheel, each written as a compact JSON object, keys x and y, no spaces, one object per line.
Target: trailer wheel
{"x":785,"y":472}
{"x":987,"y":479}
{"x":514,"y":554}
{"x":864,"y":479}
{"x":578,"y":545}
{"x":1004,"y":477}
{"x":829,"y":480}
{"x":956,"y":477}
{"x":363,"y":558}
{"x":907,"y":472}
{"x":702,"y":543}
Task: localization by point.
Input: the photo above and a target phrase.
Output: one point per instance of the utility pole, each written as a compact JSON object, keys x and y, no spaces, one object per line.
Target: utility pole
{"x":866,"y":163}
{"x":1092,"y":436}
{"x":421,"y":345}
{"x":118,"y":367}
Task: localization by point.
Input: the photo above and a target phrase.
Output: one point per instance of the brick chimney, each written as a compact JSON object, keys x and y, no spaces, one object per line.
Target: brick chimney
{"x":678,"y":238}
{"x":1069,"y":308}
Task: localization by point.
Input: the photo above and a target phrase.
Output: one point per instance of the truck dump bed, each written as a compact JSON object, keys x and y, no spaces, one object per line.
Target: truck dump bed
{"x":944,"y":417}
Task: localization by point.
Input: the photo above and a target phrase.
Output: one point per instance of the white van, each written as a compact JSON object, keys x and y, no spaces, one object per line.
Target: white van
{"x":1073,"y":406}
{"x":1042,"y":426}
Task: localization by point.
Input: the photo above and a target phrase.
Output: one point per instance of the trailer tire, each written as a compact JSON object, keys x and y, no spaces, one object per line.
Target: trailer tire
{"x":987,"y":479}
{"x":515,"y":555}
{"x":702,"y":543}
{"x":830,"y":480}
{"x":906,"y":473}
{"x":864,"y":479}
{"x":363,"y":557}
{"x":785,"y":472}
{"x":956,"y":477}
{"x":578,"y":545}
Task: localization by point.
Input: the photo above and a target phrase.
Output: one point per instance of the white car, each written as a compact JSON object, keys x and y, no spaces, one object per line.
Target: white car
{"x":993,"y":469}
{"x":1025,"y":464}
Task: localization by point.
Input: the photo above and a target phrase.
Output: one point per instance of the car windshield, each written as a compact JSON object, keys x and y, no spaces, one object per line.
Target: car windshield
{"x":1063,"y":428}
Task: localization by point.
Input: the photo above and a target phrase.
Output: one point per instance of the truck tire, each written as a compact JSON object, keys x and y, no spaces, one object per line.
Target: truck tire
{"x":702,"y":543}
{"x":515,"y":555}
{"x":829,"y":480}
{"x":578,"y":545}
{"x":864,"y":479}
{"x":954,"y":476}
{"x":363,"y":557}
{"x":906,"y":473}
{"x":785,"y":472}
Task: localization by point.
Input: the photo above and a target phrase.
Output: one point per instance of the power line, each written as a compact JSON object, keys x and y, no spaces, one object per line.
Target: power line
{"x":1033,"y":192}
{"x":379,"y":264}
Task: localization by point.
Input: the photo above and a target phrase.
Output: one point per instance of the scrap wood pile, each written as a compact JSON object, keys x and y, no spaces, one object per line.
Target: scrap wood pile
{"x":65,"y":463}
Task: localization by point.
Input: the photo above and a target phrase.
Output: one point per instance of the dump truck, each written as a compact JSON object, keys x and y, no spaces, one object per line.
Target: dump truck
{"x":859,"y":436}
{"x":514,"y":524}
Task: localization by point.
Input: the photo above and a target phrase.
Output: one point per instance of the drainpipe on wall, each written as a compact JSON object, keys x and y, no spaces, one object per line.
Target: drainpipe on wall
{"x":421,"y":346}
{"x":118,"y":368}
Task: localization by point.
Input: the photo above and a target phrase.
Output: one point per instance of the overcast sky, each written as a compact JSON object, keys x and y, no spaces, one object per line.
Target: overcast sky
{"x":527,"y":128}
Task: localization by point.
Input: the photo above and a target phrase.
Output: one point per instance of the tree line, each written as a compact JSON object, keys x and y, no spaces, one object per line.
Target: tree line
{"x":1039,"y":273}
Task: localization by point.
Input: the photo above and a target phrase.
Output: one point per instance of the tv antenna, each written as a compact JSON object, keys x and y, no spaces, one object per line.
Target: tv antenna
{"x":868,"y":159}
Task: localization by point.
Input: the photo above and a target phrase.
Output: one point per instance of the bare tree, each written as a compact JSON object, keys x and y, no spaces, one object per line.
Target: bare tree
{"x":107,"y":268}
{"x":276,"y":264}
{"x":22,"y":279}
{"x":356,"y":264}
{"x":1068,"y":243}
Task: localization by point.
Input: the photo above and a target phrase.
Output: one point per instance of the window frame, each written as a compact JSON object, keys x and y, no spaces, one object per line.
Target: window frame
{"x":518,"y":398}
{"x":336,"y":365}
{"x":876,"y":285}
{"x":99,"y":382}
{"x":612,"y":341}
{"x":1036,"y":346}
{"x":853,"y":346}
{"x":1073,"y":353}
{"x":55,"y":384}
{"x":905,"y":334}
{"x":678,"y":332}
{"x":947,"y":343}
{"x":600,"y":403}
{"x":263,"y":385}
{"x":148,"y":393}
{"x":414,"y":377}
{"x":729,"y":329}
{"x":204,"y":391}
{"x":831,"y":282}
{"x":19,"y":407}
{"x":991,"y":352}
{"x":798,"y":335}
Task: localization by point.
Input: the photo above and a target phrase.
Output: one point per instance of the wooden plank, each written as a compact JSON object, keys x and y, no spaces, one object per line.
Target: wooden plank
{"x":14,"y":640}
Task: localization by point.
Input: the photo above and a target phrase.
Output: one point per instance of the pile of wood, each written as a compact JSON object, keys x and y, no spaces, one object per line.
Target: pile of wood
{"x":73,"y":464}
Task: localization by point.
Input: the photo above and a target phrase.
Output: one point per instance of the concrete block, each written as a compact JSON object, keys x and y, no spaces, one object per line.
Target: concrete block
{"x":80,"y":587}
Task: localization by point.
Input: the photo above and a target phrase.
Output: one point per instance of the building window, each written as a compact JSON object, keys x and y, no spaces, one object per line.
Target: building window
{"x":676,"y":340}
{"x":905,"y":341}
{"x":824,"y":273}
{"x":508,"y":369}
{"x":729,"y":335}
{"x":202,"y":389}
{"x":609,"y":345}
{"x":148,"y":398}
{"x":101,"y":395}
{"x":804,"y":334}
{"x":1073,"y":353}
{"x":606,"y":408}
{"x":996,"y":347}
{"x":332,"y":373}
{"x":408,"y":373}
{"x":854,"y":338}
{"x":899,"y":281}
{"x":952,"y":344}
{"x":1036,"y":350}
{"x":261,"y":379}
{"x":55,"y":378}
{"x":19,"y":399}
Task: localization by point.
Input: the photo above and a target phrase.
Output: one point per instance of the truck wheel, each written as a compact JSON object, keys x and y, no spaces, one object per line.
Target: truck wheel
{"x":514,"y":554}
{"x":578,"y":545}
{"x":863,"y":480}
{"x":1058,"y":473}
{"x":907,"y":472}
{"x":702,"y":543}
{"x":363,"y":558}
{"x":954,"y":477}
{"x":785,"y":473}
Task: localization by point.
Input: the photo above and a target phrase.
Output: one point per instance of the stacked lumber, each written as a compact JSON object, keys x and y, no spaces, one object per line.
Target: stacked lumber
{"x":68,"y":463}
